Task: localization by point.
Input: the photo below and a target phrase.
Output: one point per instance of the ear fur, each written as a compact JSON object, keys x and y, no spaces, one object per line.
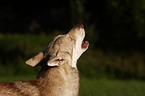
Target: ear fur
{"x":35,"y":60}
{"x":57,"y":61}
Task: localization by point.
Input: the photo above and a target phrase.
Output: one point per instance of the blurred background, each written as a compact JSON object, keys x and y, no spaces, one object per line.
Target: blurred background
{"x":115,"y":30}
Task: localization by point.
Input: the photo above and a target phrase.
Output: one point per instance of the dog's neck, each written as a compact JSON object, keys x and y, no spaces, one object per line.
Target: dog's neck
{"x":63,"y":79}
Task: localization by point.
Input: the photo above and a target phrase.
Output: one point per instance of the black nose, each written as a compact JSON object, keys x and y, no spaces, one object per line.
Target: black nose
{"x":79,"y":26}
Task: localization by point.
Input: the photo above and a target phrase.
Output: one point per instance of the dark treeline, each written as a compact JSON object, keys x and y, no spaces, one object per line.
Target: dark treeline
{"x":111,"y":24}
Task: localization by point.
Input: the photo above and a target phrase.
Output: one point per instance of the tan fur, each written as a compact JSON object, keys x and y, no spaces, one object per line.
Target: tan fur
{"x":58,"y":75}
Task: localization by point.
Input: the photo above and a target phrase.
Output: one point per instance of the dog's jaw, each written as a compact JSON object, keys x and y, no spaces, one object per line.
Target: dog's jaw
{"x":78,"y":33}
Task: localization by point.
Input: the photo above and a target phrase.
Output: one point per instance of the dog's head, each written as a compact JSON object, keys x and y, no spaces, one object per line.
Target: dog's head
{"x":63,"y":49}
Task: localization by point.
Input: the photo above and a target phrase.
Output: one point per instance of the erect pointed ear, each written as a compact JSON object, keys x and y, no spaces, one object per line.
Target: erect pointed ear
{"x":56,"y":61}
{"x":35,"y":60}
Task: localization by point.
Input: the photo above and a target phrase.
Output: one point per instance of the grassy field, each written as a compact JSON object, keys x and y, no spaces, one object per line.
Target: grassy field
{"x":111,"y":88}
{"x":89,"y":87}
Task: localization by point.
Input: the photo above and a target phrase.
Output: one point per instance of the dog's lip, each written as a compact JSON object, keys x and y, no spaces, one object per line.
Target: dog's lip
{"x":85,"y":44}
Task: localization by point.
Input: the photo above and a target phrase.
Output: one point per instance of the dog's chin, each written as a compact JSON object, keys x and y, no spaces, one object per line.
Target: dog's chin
{"x":85,"y":44}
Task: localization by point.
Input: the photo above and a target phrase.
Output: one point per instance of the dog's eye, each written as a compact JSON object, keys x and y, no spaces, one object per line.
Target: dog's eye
{"x":59,"y":60}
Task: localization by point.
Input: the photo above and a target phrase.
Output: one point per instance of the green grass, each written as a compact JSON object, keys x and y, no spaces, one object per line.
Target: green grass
{"x":15,"y":78}
{"x":111,"y":88}
{"x":89,"y":87}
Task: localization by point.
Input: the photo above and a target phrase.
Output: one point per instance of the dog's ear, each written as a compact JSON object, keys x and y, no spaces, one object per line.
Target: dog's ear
{"x":56,"y":61}
{"x":35,"y":60}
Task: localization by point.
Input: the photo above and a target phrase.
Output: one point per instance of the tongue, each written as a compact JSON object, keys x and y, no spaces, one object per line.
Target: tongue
{"x":85,"y":44}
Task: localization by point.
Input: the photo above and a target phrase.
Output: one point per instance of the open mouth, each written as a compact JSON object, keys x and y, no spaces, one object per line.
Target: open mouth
{"x":85,"y":44}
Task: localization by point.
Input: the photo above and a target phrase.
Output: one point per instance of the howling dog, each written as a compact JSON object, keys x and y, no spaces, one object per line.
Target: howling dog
{"x":58,"y":75}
